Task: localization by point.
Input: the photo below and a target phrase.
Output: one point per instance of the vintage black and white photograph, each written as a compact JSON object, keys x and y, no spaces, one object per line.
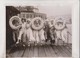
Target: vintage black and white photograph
{"x":39,"y":31}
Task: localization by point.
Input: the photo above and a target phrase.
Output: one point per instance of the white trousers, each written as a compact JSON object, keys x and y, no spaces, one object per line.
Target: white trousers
{"x":36,"y":36}
{"x":22,"y":32}
{"x":62,"y":35}
{"x":41,"y":35}
{"x":29,"y":34}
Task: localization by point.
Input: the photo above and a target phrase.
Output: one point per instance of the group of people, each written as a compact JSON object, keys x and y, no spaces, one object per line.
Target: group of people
{"x":48,"y":32}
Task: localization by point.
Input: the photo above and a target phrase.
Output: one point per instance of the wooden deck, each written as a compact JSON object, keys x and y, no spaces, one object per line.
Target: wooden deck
{"x":42,"y":51}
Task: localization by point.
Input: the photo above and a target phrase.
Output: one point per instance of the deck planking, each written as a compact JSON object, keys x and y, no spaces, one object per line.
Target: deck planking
{"x":31,"y":51}
{"x":52,"y":51}
{"x":26,"y":52}
{"x":57,"y":52}
{"x":47,"y":51}
{"x":36,"y":51}
{"x":62,"y":51}
{"x":66,"y":51}
{"x":43,"y":51}
{"x":69,"y":49}
{"x":17,"y":53}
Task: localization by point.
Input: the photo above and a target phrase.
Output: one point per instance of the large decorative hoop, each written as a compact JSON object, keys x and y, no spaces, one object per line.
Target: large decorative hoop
{"x":15,"y":22}
{"x":59,"y":23}
{"x":37,"y":23}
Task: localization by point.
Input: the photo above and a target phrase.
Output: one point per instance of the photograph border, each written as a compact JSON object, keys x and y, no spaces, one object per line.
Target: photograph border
{"x":75,"y":22}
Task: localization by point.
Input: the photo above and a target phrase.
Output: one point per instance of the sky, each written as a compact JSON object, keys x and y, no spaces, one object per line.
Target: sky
{"x":52,"y":8}
{"x":56,"y":10}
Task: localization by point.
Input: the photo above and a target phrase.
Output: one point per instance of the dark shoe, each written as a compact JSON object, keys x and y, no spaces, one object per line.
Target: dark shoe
{"x":52,"y":41}
{"x":46,"y":40}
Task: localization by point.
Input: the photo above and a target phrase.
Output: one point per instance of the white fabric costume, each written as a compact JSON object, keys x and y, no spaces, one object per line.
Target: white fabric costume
{"x":22,"y":32}
{"x":30,"y":34}
{"x":58,"y":34}
{"x":36,"y":36}
{"x":26,"y":32}
{"x":29,"y":31}
{"x":61,"y":30}
{"x":64,"y":35}
{"x":41,"y":35}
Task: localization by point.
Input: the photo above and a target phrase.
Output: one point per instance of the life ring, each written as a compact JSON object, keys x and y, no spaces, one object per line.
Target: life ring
{"x":37,"y":23}
{"x":15,"y":22}
{"x":59,"y":23}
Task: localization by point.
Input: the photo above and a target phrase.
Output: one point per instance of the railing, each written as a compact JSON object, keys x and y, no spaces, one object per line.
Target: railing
{"x":69,"y":37}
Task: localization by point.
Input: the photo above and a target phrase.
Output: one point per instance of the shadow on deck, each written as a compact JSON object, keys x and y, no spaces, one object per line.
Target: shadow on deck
{"x":42,"y":51}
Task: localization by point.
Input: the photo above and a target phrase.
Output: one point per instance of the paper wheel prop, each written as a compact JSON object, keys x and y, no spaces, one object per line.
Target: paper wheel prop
{"x":37,"y":23}
{"x":15,"y":22}
{"x":59,"y":23}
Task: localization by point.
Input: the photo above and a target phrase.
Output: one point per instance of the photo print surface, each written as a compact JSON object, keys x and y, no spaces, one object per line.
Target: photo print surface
{"x":38,"y":31}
